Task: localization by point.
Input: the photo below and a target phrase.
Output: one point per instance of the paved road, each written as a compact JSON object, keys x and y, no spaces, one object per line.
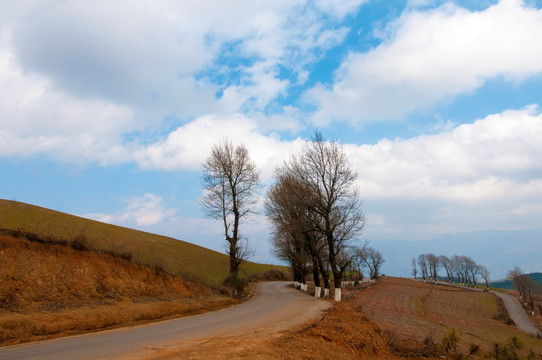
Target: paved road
{"x":275,"y":306}
{"x":514,"y":308}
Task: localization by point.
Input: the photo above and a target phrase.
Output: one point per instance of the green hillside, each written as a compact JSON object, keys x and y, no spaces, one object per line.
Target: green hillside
{"x":507,"y":283}
{"x":178,"y":257}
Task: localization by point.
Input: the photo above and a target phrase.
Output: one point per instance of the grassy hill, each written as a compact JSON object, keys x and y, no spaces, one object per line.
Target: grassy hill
{"x":51,"y":290}
{"x":192,"y":262}
{"x":507,"y":283}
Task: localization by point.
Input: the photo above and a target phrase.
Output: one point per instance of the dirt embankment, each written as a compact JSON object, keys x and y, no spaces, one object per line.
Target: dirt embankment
{"x":52,"y":290}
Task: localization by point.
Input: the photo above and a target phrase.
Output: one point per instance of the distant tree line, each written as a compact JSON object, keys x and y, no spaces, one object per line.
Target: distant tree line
{"x":459,"y":269}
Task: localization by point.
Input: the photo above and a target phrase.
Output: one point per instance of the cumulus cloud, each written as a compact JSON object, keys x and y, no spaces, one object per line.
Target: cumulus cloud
{"x":472,"y":161}
{"x":474,"y":176}
{"x":188,"y":146}
{"x":143,"y":211}
{"x":164,"y":55}
{"x":432,"y":56}
{"x":39,"y":118}
{"x":91,"y":81}
{"x":36,"y":118}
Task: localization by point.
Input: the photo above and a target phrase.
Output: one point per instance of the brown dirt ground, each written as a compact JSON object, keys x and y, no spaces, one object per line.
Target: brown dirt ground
{"x":51,"y":290}
{"x":394,"y":319}
{"x":409,"y":312}
{"x":342,"y":333}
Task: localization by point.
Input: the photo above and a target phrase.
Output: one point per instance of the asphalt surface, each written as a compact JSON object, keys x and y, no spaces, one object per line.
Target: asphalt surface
{"x":274,"y":307}
{"x":516,"y":313}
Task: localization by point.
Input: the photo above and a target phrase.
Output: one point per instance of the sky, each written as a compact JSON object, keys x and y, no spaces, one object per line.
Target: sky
{"x":109,"y":108}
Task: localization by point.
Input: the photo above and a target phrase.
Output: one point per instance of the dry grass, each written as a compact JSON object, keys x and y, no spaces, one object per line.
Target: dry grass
{"x":23,"y":327}
{"x":51,"y":290}
{"x":411,"y":312}
{"x":177,"y":257}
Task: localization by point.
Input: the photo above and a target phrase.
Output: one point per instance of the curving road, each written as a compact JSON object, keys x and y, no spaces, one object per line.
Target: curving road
{"x":516,"y":313}
{"x":514,"y":308}
{"x":274,"y":307}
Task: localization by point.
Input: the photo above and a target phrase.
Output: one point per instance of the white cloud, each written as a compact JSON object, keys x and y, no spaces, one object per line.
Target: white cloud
{"x":483,"y":160}
{"x":189,"y":145}
{"x":339,"y":8}
{"x":154,"y":56}
{"x":144,"y":211}
{"x":475,"y":176}
{"x":90,"y":81}
{"x":36,"y":118}
{"x":432,"y":56}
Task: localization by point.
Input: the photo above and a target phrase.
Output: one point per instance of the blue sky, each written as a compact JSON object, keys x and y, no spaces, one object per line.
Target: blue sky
{"x":108,"y":109}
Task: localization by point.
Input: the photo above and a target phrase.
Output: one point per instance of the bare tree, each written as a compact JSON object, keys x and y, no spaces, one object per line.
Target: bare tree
{"x":447,"y":264}
{"x":484,"y":273}
{"x":471,"y":270}
{"x":286,"y":207}
{"x":414,"y":268}
{"x":525,"y":285}
{"x":373,"y":259}
{"x":230,"y":182}
{"x":516,"y":275}
{"x":423,"y":265}
{"x":532,"y":287}
{"x":359,"y":265}
{"x":458,"y":269}
{"x":433,"y":262}
{"x":291,"y":248}
{"x":326,"y":174}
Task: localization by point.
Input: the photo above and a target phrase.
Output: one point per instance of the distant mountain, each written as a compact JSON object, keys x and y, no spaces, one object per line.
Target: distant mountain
{"x":507,"y":283}
{"x":498,"y":250}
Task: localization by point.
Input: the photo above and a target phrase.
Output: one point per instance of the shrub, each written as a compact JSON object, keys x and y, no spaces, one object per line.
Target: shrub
{"x":235,"y":285}
{"x":270,"y":275}
{"x":450,"y":349}
{"x":80,"y":243}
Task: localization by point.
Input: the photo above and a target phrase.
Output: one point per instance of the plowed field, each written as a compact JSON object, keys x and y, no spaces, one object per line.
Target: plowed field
{"x":410,"y":312}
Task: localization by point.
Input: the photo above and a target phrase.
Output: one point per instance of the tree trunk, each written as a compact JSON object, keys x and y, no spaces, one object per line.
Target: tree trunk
{"x":316,"y":276}
{"x":325,"y":277}
{"x":234,"y":263}
{"x":315,"y":272}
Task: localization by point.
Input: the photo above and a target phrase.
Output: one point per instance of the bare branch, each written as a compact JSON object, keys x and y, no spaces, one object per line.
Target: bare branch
{"x":230,"y":183}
